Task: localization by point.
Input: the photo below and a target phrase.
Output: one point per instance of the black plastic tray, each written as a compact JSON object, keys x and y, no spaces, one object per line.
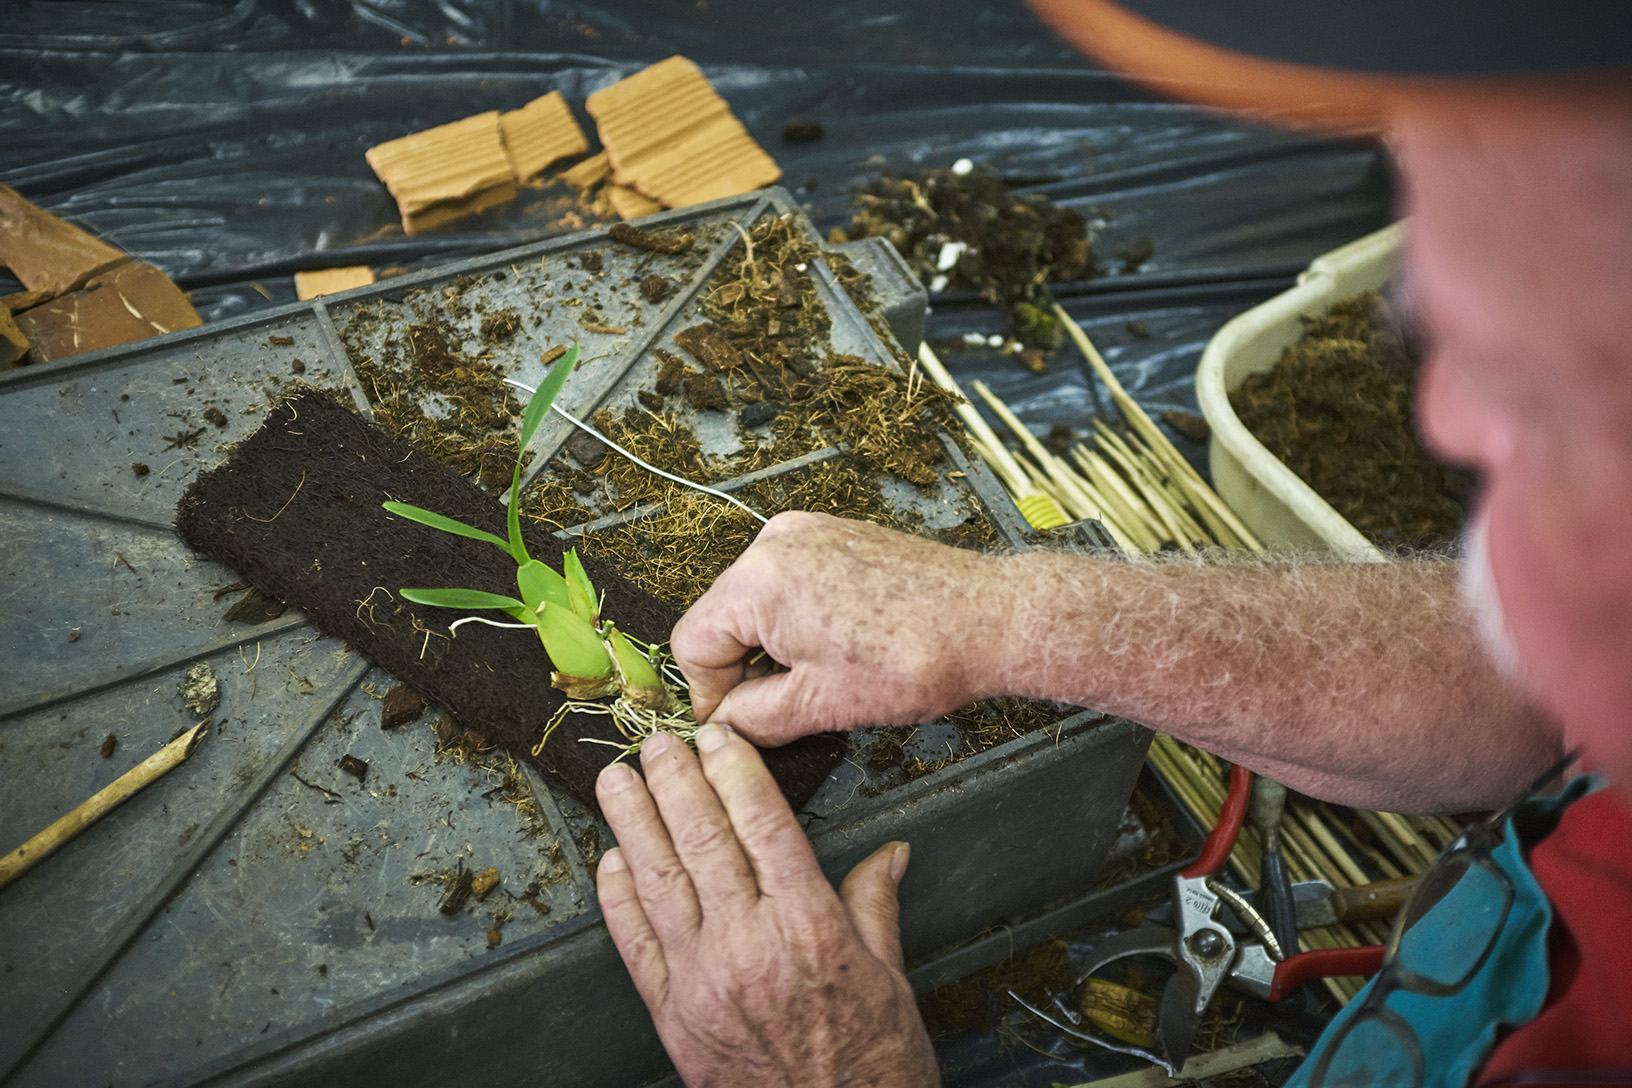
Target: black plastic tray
{"x":260,"y":917}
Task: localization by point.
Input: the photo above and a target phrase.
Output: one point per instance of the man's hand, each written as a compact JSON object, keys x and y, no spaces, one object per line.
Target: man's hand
{"x":755,"y":972}
{"x":874,"y":627}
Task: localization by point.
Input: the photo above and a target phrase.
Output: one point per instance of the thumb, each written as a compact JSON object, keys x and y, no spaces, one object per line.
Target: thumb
{"x":711,"y":658}
{"x":763,"y":709}
{"x":869,"y":896}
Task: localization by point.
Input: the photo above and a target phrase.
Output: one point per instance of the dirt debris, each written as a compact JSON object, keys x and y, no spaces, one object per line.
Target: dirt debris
{"x":970,"y":230}
{"x":401,"y":705}
{"x":655,"y":289}
{"x":670,"y":242}
{"x":431,"y":364}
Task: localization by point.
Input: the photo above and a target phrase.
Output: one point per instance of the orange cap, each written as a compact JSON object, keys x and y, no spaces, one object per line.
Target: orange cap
{"x":1328,"y":99}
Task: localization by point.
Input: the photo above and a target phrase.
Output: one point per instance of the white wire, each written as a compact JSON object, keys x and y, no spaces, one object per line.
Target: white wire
{"x":581,"y":425}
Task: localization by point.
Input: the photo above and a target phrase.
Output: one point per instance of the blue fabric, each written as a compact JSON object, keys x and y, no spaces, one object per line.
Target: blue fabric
{"x":1441,"y":1041}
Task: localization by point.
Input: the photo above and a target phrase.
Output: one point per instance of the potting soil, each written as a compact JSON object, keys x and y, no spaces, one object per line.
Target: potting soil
{"x":1337,"y":409}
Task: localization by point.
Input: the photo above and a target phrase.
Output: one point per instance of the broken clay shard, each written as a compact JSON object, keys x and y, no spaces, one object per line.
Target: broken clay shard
{"x":446,"y":172}
{"x":45,"y":253}
{"x":670,"y":136}
{"x":330,"y":281}
{"x":540,"y":134}
{"x":132,"y":301}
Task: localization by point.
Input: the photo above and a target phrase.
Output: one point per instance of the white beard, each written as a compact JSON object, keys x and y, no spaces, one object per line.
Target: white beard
{"x":1481,"y":599}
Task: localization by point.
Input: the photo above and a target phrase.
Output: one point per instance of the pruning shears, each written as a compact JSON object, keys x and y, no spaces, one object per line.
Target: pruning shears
{"x":1208,"y":953}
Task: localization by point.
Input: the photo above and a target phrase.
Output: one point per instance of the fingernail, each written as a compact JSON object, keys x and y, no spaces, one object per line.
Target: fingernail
{"x":898,"y":861}
{"x":656,"y":745}
{"x":711,"y":736}
{"x":612,"y":861}
{"x":615,"y":777}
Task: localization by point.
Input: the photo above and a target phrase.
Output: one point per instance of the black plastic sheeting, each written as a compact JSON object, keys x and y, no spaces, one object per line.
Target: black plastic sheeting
{"x":223,"y":141}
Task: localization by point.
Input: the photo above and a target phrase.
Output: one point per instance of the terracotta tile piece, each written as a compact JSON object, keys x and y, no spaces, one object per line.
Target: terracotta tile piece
{"x":328,"y":281}
{"x":44,"y":252}
{"x":131,"y":302}
{"x":12,"y":341}
{"x":630,"y":203}
{"x":589,"y":173}
{"x":23,"y":300}
{"x":540,"y":134}
{"x":670,"y":135}
{"x":446,"y":172}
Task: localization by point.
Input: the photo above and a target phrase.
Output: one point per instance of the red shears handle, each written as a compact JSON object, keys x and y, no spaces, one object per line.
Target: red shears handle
{"x":1294,"y":971}
{"x":1222,"y":838}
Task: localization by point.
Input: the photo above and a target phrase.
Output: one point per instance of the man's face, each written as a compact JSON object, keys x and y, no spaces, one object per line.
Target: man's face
{"x":1520,"y":264}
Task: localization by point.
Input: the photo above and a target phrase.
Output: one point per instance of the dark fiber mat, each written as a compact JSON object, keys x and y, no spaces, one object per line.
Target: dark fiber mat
{"x":296,"y":511}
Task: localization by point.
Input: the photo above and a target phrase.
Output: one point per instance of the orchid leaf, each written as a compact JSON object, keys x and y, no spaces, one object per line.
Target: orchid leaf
{"x":542,"y":398}
{"x":573,"y":645}
{"x":580,"y":590}
{"x":538,"y":584}
{"x":512,"y":519}
{"x":634,"y":668}
{"x":446,"y":524}
{"x":545,"y":395}
{"x":461,"y":598}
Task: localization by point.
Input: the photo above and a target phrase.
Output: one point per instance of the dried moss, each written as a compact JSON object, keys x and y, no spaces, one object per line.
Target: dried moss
{"x":471,"y":425}
{"x":677,"y":552}
{"x":766,"y":342}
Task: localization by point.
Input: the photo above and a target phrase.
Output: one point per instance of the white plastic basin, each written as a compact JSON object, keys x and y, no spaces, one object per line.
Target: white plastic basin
{"x":1274,"y":502}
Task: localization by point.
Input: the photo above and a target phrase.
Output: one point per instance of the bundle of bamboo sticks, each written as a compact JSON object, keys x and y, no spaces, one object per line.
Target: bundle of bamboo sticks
{"x":1149,"y":498}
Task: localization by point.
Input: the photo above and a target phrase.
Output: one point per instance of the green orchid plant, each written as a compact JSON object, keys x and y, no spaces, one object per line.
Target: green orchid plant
{"x":591,"y":658}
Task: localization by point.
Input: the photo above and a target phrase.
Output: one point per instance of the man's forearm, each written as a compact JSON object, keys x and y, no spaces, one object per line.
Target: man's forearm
{"x":1363,"y":684}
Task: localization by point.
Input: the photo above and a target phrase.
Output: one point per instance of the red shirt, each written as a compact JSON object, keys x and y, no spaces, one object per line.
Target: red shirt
{"x":1585,"y":867}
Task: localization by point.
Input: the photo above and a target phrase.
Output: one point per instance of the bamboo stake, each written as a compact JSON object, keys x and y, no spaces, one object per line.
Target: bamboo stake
{"x":1017,"y":485}
{"x":991,"y":449}
{"x":1151,"y":533}
{"x":1044,"y":457}
{"x":1396,"y":846}
{"x":1323,"y":835}
{"x":1410,"y":860}
{"x":977,"y":427}
{"x":1445,"y":829}
{"x":1194,"y":494}
{"x":1384,"y":863}
{"x":1152,"y":434}
{"x":1228,"y":527}
{"x":1103,"y":471}
{"x":1182,"y":785}
{"x":1301,"y":858}
{"x":1191,"y":495}
{"x":105,"y":800}
{"x":1152,"y":497}
{"x":1158,"y":481}
{"x":1408,"y":836}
